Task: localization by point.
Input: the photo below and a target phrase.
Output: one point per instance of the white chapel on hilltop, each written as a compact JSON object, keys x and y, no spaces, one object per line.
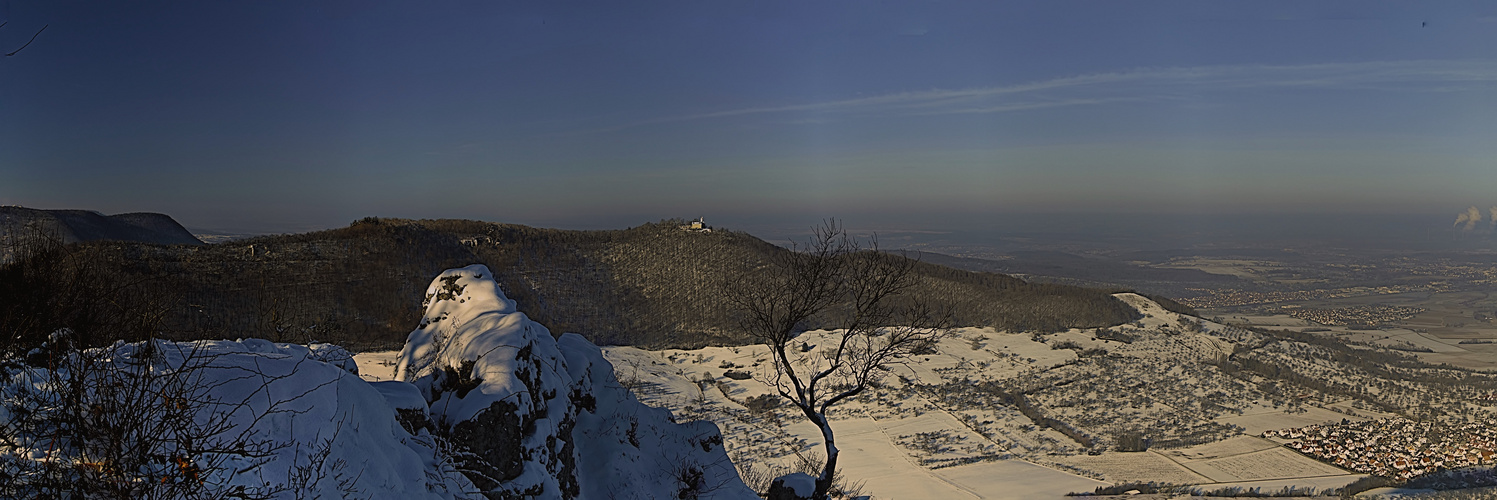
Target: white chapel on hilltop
{"x":699,"y":225}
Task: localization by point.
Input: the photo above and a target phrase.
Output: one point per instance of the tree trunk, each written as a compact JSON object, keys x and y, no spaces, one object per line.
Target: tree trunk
{"x":824,"y":483}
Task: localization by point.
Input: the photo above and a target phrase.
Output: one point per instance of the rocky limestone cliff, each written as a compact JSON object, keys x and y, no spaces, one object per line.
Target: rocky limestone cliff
{"x":535,"y":416}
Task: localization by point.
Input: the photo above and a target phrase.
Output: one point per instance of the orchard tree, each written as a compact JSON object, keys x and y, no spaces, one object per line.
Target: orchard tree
{"x":834,"y":281}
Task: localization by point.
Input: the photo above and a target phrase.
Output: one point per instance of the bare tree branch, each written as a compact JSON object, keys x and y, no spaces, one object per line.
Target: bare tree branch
{"x":28,"y":42}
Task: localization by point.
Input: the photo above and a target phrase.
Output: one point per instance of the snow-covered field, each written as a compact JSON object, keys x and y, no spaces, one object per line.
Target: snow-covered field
{"x":378,"y":365}
{"x":931,"y":432}
{"x":884,"y":444}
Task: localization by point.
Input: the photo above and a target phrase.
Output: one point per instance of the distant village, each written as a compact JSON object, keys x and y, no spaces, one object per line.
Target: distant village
{"x":1357,"y":316}
{"x":1216,"y":299}
{"x":1395,"y":447}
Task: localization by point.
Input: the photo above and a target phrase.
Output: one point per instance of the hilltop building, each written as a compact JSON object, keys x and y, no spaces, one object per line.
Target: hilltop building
{"x":699,"y":225}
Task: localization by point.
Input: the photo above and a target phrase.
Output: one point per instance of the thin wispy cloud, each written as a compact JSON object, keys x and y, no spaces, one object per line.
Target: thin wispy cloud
{"x":1024,"y":106}
{"x":1143,"y":84}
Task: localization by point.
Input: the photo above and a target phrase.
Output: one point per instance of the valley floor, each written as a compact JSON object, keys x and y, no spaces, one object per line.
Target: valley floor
{"x":924,"y":435}
{"x":945,"y":425}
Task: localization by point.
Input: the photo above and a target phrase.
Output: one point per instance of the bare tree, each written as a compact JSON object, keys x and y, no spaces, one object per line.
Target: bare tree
{"x":859,"y":291}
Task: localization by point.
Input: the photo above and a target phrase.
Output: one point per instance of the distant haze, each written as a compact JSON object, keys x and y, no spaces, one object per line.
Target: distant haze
{"x":1115,"y":233}
{"x":285,"y":116}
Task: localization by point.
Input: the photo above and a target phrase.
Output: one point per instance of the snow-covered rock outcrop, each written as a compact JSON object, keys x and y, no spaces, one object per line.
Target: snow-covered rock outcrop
{"x":540,"y":417}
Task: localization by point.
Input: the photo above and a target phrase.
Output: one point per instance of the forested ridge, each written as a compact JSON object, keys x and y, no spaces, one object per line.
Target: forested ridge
{"x":654,"y":285}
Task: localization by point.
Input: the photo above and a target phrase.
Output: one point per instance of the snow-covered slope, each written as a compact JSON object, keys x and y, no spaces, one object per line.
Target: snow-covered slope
{"x":282,"y":420}
{"x":545,"y":417}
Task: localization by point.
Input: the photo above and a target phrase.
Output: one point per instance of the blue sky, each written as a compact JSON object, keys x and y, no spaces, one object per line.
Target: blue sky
{"x":285,"y":116}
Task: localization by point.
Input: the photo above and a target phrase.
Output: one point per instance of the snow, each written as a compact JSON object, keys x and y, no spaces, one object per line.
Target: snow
{"x":869,"y":436}
{"x":329,"y":407}
{"x":900,"y":441}
{"x":305,"y":403}
{"x":580,"y":430}
{"x":468,"y":319}
{"x":400,"y":395}
{"x":376,"y":366}
{"x":1013,"y":479}
{"x":802,"y":484}
{"x":476,"y":357}
{"x":614,"y":466}
{"x":886,"y":471}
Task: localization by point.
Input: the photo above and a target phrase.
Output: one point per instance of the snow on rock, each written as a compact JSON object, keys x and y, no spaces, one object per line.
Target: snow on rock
{"x":327,"y":408}
{"x":545,"y":418}
{"x":630,"y":450}
{"x":410,"y":406}
{"x":401,"y":395}
{"x":326,"y":353}
{"x":311,"y":426}
{"x":794,"y":486}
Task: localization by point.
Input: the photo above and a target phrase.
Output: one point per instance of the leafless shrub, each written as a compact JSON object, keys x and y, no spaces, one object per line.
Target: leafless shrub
{"x":88,"y":426}
{"x":629,"y":381}
{"x":763,"y":403}
{"x":48,"y":286}
{"x":758,"y":476}
{"x":976,"y":342}
{"x":122,"y":423}
{"x":303,"y":478}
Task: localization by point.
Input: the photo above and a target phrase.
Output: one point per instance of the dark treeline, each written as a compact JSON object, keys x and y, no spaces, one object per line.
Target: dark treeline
{"x":654,"y":285}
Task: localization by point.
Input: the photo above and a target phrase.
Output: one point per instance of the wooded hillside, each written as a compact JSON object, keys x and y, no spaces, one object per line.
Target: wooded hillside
{"x":654,"y":285}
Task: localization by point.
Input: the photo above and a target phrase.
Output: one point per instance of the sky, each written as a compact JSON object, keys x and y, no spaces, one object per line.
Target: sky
{"x":270,"y":116}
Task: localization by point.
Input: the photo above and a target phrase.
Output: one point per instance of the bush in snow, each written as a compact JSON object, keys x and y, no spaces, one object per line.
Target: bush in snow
{"x":116,"y":423}
{"x":204,"y":419}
